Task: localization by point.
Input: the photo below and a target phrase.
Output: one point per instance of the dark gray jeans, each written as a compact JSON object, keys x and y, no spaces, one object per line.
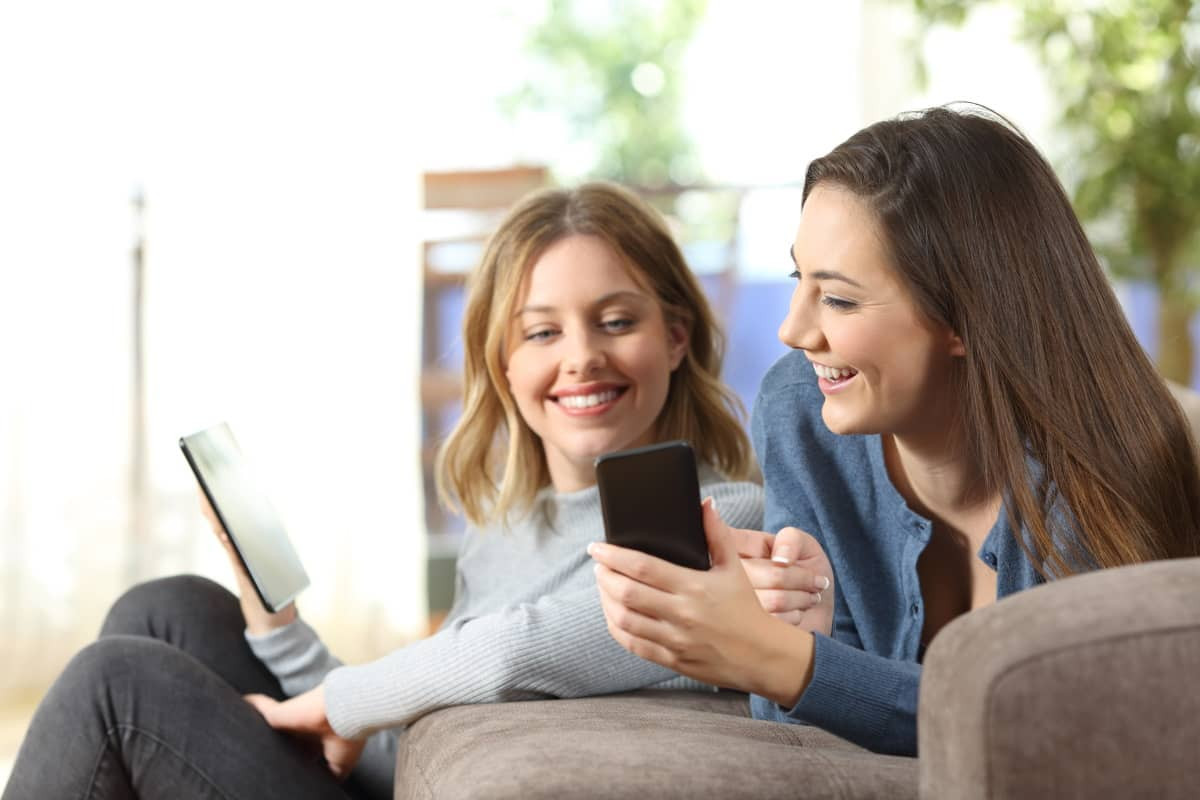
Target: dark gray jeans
{"x":154,"y":709}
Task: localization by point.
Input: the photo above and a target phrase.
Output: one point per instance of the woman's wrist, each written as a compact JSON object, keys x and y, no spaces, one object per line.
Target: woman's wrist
{"x":260,"y":622}
{"x":263,"y":625}
{"x":786,"y":668}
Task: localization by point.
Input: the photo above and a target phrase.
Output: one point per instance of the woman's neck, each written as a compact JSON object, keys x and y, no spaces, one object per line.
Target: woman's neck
{"x":935,"y":475}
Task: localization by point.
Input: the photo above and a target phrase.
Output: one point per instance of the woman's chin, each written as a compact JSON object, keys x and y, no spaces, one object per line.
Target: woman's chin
{"x":839,"y":423}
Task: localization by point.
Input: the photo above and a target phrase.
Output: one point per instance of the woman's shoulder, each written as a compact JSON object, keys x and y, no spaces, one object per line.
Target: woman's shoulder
{"x":788,"y":407}
{"x":796,"y":450}
{"x":790,"y":388}
{"x":791,"y":372}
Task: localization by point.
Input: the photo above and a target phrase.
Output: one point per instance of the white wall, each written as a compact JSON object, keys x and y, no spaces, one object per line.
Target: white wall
{"x":274,"y":143}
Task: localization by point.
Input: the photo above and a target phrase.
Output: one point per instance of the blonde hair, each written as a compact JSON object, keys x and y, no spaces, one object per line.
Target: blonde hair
{"x":492,"y":462}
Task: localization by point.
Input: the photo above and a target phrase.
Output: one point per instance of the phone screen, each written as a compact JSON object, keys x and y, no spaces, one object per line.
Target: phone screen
{"x":246,"y":514}
{"x":650,"y":498}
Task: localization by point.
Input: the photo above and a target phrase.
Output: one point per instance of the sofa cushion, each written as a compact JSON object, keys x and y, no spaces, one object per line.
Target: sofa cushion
{"x":661,"y":744}
{"x":1083,"y":687}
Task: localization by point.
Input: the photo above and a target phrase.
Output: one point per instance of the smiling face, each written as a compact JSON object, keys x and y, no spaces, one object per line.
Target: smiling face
{"x":882,"y":365}
{"x":589,"y":357}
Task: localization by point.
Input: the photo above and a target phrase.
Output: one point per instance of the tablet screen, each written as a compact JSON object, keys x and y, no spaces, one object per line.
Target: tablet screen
{"x":247,"y":515}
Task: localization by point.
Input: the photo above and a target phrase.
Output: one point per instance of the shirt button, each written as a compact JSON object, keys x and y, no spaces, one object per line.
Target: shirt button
{"x":990,"y":559}
{"x":916,"y":609}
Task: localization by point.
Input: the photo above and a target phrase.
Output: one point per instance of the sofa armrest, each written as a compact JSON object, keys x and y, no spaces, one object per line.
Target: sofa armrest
{"x":668,"y":745}
{"x":1084,"y":687}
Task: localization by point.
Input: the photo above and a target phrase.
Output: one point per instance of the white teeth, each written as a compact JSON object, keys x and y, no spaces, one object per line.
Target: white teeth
{"x":588,"y":400}
{"x":833,"y":373}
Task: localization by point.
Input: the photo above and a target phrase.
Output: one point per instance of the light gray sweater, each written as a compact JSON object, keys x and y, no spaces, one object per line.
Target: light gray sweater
{"x":526,"y":624}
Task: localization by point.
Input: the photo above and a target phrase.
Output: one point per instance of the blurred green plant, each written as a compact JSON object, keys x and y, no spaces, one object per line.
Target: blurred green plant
{"x":614,"y":71}
{"x":1126,"y":74}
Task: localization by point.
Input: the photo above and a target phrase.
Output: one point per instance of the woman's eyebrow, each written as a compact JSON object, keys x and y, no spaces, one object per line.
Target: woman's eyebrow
{"x":622,"y":294}
{"x":830,"y":275}
{"x":532,"y":310}
{"x":824,"y":274}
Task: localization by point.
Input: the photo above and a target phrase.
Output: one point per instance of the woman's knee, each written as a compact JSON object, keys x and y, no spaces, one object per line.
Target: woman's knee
{"x":106,"y":669}
{"x":123,"y":681}
{"x":148,"y":608}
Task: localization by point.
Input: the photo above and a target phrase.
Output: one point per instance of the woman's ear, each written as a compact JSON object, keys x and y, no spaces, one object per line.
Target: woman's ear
{"x":957,"y":348}
{"x":678,"y":337}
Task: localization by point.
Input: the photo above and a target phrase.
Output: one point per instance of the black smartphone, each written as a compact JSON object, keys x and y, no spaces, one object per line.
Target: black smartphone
{"x":650,"y":499}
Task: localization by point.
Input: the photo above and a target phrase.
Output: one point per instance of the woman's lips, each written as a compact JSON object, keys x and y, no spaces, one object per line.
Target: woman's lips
{"x":589,"y":402}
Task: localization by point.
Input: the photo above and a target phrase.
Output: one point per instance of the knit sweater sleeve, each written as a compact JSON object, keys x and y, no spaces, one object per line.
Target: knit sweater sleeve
{"x":555,"y":646}
{"x":295,"y":655}
{"x":299,"y":660}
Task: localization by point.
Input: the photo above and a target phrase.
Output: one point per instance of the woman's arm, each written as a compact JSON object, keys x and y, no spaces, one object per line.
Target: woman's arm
{"x":709,"y":625}
{"x":555,"y":647}
{"x":866,"y":698}
{"x":862,"y":696}
{"x":294,"y":654}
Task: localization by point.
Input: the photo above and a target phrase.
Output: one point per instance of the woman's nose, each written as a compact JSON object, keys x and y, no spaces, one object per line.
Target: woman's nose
{"x":584,"y":355}
{"x":799,"y":329}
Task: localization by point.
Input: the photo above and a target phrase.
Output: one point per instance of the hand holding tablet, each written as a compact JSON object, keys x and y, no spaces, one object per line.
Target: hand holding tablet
{"x":253,"y":528}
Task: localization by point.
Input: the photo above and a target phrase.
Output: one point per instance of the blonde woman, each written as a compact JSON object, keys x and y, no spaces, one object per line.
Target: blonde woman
{"x":584,"y":333}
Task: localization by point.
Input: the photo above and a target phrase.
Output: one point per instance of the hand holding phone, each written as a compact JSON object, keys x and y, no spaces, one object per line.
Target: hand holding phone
{"x":650,"y":499}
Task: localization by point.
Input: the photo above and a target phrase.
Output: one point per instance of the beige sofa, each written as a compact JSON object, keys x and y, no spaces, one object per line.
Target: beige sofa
{"x":1084,"y":688}
{"x":1088,"y":687}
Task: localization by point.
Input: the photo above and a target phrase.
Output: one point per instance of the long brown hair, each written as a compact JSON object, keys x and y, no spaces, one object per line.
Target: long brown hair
{"x":492,"y":461}
{"x":1062,"y":409}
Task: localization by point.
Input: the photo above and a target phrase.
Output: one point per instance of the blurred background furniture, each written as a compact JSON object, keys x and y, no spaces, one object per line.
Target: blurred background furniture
{"x":461,"y":209}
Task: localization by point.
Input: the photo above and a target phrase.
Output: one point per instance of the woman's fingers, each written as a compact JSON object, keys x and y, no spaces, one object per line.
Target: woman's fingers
{"x":640,"y":646}
{"x":639,"y":566}
{"x":626,"y":592}
{"x":341,"y":755}
{"x":264,"y":705}
{"x":777,"y":602}
{"x":627,"y":624}
{"x":722,"y":546}
{"x":752,"y":544}
{"x":790,"y":617}
{"x":765,"y":574}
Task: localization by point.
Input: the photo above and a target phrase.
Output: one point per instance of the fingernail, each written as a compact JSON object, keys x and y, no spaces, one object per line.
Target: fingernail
{"x":818,"y":598}
{"x":822,"y":582}
{"x":596,"y":569}
{"x":782,"y":556}
{"x":711,"y":502}
{"x":589,"y":547}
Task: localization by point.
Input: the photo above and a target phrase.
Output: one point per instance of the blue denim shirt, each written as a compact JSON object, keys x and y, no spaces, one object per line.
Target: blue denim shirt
{"x":866,"y":676}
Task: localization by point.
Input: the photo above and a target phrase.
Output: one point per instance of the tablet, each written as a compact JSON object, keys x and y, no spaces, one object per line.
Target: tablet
{"x":248,"y":517}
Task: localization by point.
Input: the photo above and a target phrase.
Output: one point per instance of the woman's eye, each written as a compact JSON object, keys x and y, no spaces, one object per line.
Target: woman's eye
{"x":837,"y":303}
{"x":616,"y":325}
{"x":794,"y":274}
{"x":539,"y":335}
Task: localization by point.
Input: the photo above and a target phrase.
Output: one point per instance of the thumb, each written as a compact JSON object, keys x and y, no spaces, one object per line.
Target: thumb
{"x":264,"y":705}
{"x":721,"y":544}
{"x":791,"y":545}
